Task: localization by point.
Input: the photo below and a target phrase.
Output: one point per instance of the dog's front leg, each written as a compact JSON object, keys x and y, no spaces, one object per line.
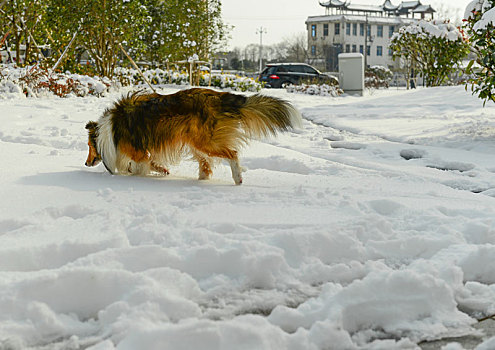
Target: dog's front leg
{"x":159,"y":169}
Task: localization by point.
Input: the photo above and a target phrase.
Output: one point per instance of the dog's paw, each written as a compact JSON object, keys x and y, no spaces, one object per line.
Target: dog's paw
{"x":238,"y":181}
{"x":159,"y":169}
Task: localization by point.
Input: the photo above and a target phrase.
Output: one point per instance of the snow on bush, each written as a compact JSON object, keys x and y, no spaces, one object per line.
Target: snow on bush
{"x":481,"y":8}
{"x":234,"y":82}
{"x":437,"y":28}
{"x":36,"y":81}
{"x":10,"y":86}
{"x":432,"y":47}
{"x":377,"y":77}
{"x":314,"y":89}
{"x":479,"y":21}
{"x":161,"y":77}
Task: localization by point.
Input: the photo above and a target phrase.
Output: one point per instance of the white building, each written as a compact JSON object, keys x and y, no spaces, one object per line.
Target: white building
{"x":346,"y":27}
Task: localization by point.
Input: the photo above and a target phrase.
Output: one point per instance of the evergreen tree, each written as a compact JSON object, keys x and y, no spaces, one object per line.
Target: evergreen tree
{"x":181,"y":29}
{"x":101,"y":26}
{"x":152,"y":30}
{"x":22,"y":19}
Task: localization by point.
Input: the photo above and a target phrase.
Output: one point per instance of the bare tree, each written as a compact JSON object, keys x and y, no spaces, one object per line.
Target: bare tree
{"x":297,"y":48}
{"x":448,"y":12}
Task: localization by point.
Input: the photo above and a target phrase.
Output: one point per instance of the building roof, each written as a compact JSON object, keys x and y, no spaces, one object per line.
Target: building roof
{"x":424,"y":9}
{"x":360,"y":18}
{"x":388,"y":6}
{"x":404,"y":8}
{"x":409,"y":4}
{"x":333,"y":3}
{"x":364,"y":8}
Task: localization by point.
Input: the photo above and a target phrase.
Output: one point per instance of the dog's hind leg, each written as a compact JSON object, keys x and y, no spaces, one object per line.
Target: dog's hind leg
{"x":236,"y":168}
{"x":204,"y":165}
{"x":225,"y":153}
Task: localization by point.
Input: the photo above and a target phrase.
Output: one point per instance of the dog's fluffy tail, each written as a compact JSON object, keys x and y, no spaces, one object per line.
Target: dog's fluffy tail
{"x":263,"y":116}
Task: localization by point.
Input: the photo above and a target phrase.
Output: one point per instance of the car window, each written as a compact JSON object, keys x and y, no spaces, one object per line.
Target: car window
{"x":282,"y":69}
{"x":298,"y":69}
{"x":309,"y":70}
{"x":271,"y":70}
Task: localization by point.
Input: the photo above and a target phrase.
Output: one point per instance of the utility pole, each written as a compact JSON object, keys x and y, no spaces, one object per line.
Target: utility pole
{"x":368,"y":39}
{"x":366,"y":43}
{"x":260,"y":31}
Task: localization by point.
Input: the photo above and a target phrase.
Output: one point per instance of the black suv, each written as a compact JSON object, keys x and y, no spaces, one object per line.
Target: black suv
{"x":279,"y":75}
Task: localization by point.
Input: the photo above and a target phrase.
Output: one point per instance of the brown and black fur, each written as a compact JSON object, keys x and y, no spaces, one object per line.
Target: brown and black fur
{"x":144,"y":132}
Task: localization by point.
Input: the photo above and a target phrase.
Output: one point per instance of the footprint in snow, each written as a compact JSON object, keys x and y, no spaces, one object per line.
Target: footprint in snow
{"x":347,"y":145}
{"x":452,"y":166}
{"x":409,"y":154}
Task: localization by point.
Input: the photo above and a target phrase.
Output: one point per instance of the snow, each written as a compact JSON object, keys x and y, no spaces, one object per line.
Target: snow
{"x":438,"y":28}
{"x":487,"y":345}
{"x":487,"y":10}
{"x":474,"y":5}
{"x":373,"y":227}
{"x":487,"y":19}
{"x":351,"y":55}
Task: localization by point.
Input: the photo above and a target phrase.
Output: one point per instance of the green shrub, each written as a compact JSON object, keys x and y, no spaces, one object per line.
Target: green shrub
{"x":480,"y":29}
{"x":434,"y":48}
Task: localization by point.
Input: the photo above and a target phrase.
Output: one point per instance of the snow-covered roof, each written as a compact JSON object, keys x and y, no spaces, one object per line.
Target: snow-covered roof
{"x":424,"y":9}
{"x":409,"y":4}
{"x":404,"y":8}
{"x":360,"y":18}
{"x":365,"y":8}
{"x":333,"y":3}
{"x":388,"y":6}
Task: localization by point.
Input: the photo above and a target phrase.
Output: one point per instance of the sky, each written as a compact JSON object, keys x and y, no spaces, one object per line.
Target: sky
{"x":285,"y":18}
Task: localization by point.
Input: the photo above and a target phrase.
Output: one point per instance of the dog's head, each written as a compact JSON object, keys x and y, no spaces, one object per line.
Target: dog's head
{"x":94,"y":157}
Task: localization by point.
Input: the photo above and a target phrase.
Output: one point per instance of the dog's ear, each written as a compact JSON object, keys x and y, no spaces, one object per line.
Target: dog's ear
{"x":91,"y":125}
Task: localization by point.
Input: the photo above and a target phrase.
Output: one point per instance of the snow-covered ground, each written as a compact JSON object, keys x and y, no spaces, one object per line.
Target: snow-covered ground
{"x":371,"y":228}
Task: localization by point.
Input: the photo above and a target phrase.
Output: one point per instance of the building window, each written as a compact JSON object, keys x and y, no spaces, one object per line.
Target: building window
{"x":325,"y":29}
{"x":368,"y":50}
{"x":313,"y":50}
{"x":368,"y":30}
{"x":337,"y":28}
{"x":353,"y":48}
{"x":361,"y":49}
{"x":348,"y":48}
{"x":313,"y":30}
{"x":390,"y":52}
{"x":348,"y":29}
{"x":379,"y":50}
{"x":391,"y":30}
{"x":354,"y":29}
{"x":361,"y":29}
{"x":379,"y":31}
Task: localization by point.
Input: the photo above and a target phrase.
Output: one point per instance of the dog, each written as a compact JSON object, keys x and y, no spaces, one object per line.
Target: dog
{"x":144,"y":132}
